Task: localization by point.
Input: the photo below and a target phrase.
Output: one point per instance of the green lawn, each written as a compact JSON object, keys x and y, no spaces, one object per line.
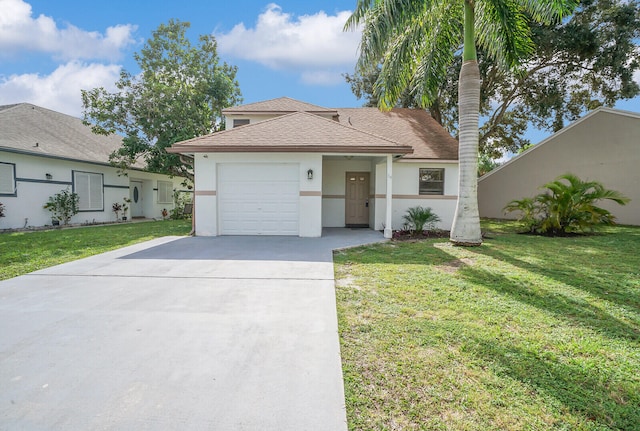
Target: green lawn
{"x":523,"y":333}
{"x":23,"y":252}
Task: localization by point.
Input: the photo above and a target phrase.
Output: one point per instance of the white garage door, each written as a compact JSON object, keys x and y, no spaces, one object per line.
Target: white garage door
{"x":258,"y":199}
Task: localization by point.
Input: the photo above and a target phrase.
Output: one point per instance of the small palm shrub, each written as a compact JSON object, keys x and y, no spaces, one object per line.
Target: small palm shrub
{"x":567,"y":205}
{"x":1,"y":209}
{"x":418,"y":219}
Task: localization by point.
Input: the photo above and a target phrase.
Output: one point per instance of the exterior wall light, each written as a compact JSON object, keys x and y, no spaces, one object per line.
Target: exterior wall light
{"x":49,"y":176}
{"x":310,"y":174}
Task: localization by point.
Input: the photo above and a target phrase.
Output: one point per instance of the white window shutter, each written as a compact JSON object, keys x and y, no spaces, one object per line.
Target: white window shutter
{"x":7,"y":181}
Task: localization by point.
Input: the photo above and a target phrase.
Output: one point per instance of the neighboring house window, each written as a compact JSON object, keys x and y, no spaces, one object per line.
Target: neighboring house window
{"x":237,"y":123}
{"x":7,"y":179}
{"x":431,"y":181}
{"x":89,"y":187}
{"x":165,"y":192}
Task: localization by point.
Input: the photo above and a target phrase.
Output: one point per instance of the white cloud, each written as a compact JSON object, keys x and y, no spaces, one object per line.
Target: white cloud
{"x":59,"y":91}
{"x":322,"y":77}
{"x":313,"y":45}
{"x":20,"y":31}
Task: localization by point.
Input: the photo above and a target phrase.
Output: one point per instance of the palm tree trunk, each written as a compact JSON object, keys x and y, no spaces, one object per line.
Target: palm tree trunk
{"x":466,"y":221}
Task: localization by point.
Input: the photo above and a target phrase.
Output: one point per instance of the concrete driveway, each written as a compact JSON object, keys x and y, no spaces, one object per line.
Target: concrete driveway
{"x":226,"y":333}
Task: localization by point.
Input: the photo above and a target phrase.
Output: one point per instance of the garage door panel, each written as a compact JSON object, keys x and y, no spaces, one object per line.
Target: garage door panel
{"x":258,"y":199}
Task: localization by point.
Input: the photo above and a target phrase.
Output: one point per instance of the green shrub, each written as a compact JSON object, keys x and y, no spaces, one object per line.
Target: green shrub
{"x":1,"y":209}
{"x":63,"y":206}
{"x":567,"y":205}
{"x":180,"y":199}
{"x":418,"y":219}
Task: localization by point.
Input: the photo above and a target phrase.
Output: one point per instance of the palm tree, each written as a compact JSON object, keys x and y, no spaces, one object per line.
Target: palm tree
{"x":415,"y":41}
{"x":567,"y":205}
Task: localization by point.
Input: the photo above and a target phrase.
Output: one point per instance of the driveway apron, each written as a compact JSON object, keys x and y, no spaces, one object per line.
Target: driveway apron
{"x":224,"y":333}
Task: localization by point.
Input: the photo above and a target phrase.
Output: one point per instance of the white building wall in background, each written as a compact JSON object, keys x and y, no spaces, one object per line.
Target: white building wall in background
{"x":33,"y":189}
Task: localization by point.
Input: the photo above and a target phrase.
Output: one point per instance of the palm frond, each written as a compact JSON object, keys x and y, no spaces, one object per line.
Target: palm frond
{"x":503,"y":30}
{"x":549,"y":11}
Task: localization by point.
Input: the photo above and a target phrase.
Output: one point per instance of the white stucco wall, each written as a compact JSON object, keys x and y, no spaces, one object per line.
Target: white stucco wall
{"x":33,"y":190}
{"x":406,"y":193}
{"x":322,"y":200}
{"x":206,"y":188}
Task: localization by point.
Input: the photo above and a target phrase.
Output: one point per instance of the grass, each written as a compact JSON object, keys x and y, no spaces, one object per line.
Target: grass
{"x":23,"y":252}
{"x":523,"y":333}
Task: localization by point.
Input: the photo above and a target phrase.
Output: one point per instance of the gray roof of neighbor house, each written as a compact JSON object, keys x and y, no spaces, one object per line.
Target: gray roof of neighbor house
{"x":294,"y":132}
{"x":280,"y":105}
{"x":398,"y":128}
{"x":30,"y":129}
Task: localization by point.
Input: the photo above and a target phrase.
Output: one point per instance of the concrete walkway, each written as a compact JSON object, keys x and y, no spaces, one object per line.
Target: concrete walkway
{"x":226,"y":333}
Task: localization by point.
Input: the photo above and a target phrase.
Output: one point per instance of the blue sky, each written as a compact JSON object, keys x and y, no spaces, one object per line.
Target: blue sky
{"x":50,"y":49}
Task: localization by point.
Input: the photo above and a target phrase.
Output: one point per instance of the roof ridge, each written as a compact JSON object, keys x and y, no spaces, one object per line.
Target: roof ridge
{"x":10,"y":106}
{"x":37,"y":108}
{"x":246,"y":107}
{"x":290,"y":114}
{"x":245,"y":127}
{"x":355,"y":128}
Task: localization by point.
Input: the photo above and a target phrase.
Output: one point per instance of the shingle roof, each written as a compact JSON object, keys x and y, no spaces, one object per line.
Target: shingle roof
{"x":280,"y":105}
{"x":32,"y":129}
{"x":414,"y":127}
{"x":295,"y":132}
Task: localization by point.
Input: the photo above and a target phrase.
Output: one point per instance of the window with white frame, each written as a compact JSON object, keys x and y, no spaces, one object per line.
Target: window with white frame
{"x":7,"y":179}
{"x":165,"y":192}
{"x":431,"y":181}
{"x":89,"y":187}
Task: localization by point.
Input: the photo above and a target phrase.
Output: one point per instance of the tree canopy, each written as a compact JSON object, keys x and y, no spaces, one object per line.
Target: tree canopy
{"x":415,"y":41}
{"x":179,"y":94}
{"x":577,"y":65}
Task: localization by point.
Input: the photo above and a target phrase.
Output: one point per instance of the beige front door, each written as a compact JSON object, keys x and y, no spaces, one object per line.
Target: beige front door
{"x":357,"y":199}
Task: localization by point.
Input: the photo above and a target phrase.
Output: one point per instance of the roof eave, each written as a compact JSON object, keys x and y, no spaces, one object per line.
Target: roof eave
{"x":191,"y":149}
{"x":413,"y":159}
{"x":232,"y":112}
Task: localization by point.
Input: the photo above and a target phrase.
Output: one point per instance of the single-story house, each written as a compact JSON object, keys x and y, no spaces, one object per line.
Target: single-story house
{"x":43,"y":152}
{"x":286,"y":167}
{"x":603,"y":146}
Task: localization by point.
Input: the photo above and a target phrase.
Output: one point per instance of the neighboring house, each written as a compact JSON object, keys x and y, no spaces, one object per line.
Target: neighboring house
{"x":285,"y":167}
{"x":43,"y":152}
{"x":602,"y":146}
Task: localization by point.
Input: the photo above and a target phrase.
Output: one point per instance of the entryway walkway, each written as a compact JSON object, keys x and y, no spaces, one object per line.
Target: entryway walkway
{"x":226,"y":333}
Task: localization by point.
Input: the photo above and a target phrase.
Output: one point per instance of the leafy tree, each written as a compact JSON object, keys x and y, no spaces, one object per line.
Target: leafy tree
{"x":179,"y":94}
{"x":567,"y":205}
{"x":580,"y":64}
{"x":486,"y":164}
{"x":415,"y":42}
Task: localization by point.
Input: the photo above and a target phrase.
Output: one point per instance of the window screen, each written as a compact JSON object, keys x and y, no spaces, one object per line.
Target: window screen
{"x":89,"y":187}
{"x":165,"y":192}
{"x":7,"y":179}
{"x":431,"y":181}
{"x":240,"y":122}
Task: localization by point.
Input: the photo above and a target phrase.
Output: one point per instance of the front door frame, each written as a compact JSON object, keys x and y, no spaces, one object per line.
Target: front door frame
{"x":351,"y":220}
{"x":137,"y":208}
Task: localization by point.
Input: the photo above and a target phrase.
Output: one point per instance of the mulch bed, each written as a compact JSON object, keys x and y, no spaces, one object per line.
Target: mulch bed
{"x":405,"y":235}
